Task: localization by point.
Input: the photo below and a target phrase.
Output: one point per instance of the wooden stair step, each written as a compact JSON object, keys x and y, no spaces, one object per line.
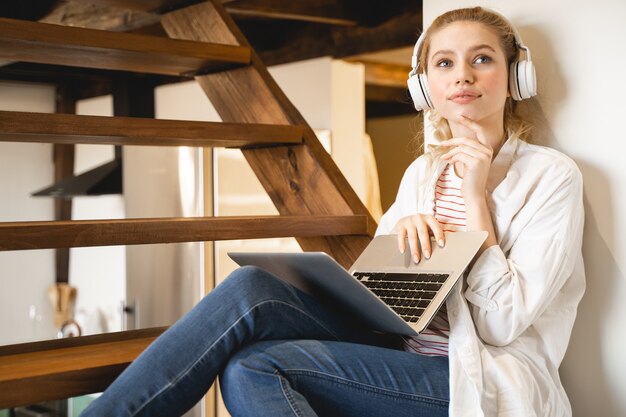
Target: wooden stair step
{"x":82,"y":233}
{"x":73,"y":129}
{"x":88,"y":48}
{"x":56,"y":369}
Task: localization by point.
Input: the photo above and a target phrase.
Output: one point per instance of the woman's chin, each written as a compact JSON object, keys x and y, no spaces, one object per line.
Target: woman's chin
{"x":456,"y":115}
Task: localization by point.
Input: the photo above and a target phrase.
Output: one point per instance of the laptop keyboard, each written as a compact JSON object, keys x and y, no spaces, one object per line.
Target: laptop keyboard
{"x":407,"y":294}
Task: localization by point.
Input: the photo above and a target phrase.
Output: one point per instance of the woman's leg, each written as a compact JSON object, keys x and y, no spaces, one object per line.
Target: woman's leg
{"x":306,"y":378}
{"x":180,"y":366}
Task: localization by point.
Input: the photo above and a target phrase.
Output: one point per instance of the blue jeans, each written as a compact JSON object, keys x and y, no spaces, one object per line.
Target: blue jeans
{"x":279,"y":352}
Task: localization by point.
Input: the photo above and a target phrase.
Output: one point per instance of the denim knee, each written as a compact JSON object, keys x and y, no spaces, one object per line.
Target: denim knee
{"x":249,"y":373}
{"x":251,"y":279}
{"x":250,"y":283}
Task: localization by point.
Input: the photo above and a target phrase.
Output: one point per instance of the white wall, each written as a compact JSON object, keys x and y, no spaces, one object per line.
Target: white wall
{"x":580,"y":58}
{"x":25,"y":312}
{"x":98,"y":273}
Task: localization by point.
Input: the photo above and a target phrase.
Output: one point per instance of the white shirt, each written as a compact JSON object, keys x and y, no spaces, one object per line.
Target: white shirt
{"x":511,"y":319}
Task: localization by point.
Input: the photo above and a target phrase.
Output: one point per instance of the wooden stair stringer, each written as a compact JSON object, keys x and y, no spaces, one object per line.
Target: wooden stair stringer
{"x":301,"y":179}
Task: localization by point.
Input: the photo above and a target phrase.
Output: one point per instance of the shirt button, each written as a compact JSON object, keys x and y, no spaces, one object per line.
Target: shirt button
{"x":493,"y":305}
{"x":466,"y":351}
{"x":455,"y":313}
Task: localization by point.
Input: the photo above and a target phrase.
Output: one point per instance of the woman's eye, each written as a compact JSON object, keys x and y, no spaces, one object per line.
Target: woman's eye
{"x":444,"y":63}
{"x":482,"y":59}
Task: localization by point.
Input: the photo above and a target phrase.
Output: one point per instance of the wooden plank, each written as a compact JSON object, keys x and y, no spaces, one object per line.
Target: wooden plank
{"x":61,"y":45}
{"x":56,"y":369}
{"x":83,"y":233}
{"x":300,"y":180}
{"x":73,"y":129}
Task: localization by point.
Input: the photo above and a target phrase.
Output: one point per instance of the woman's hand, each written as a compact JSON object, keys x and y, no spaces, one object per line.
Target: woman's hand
{"x":474,"y":156}
{"x":418,"y":228}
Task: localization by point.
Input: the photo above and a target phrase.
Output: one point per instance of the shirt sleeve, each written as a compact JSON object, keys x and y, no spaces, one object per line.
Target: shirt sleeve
{"x":507,"y":292}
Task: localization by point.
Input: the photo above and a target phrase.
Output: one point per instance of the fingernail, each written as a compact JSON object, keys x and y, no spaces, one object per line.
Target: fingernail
{"x":427,"y":254}
{"x":416,"y":259}
{"x":441,"y":243}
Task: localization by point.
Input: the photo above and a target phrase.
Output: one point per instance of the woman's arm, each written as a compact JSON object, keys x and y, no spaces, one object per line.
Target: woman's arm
{"x":507,"y":292}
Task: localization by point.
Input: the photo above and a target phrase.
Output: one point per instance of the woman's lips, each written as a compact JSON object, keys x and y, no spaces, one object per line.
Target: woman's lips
{"x":464,"y":97}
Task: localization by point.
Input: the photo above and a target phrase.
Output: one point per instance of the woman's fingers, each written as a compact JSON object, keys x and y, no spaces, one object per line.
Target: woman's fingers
{"x":437,"y":230}
{"x":402,"y":240}
{"x":473,"y":152}
{"x":453,"y":142}
{"x":417,"y":230}
{"x":413,"y":243}
{"x":424,"y":240}
{"x":466,"y":145}
{"x":470,"y":162}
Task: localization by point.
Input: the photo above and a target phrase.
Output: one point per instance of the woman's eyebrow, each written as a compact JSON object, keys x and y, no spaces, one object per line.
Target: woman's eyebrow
{"x":472,"y":49}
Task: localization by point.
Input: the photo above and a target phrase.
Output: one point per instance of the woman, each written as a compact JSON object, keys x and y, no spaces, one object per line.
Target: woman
{"x":494,"y":351}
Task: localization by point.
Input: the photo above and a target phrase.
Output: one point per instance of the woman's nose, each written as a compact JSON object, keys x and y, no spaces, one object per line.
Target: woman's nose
{"x":464,"y":75}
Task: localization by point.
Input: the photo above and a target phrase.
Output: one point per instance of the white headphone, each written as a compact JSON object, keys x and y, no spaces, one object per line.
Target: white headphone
{"x":522,"y":77}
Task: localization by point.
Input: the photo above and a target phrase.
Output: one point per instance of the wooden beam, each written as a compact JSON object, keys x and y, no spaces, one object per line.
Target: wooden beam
{"x":96,"y":13}
{"x":100,"y":16}
{"x":84,"y":233}
{"x":298,"y":179}
{"x":143,"y":5}
{"x":387,"y":94}
{"x":326,"y":12}
{"x":384,"y":74}
{"x":295,"y":41}
{"x":61,"y":45}
{"x":99,"y":130}
{"x":279,"y":30}
{"x":63,"y":168}
{"x":58,"y":369}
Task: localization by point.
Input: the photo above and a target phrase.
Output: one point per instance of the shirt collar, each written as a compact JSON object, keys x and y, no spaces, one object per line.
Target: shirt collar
{"x":502,"y":162}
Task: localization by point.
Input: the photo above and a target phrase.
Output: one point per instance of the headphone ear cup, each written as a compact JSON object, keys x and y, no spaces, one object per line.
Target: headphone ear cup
{"x":522,"y":80}
{"x":418,"y":88}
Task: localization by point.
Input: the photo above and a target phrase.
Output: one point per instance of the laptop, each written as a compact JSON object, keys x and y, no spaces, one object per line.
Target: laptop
{"x":384,"y":287}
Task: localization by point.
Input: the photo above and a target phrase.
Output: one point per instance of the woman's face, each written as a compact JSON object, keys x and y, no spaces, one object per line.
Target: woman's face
{"x":467,"y":73}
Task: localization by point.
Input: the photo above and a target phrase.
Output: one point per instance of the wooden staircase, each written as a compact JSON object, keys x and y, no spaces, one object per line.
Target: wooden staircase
{"x":317,"y":206}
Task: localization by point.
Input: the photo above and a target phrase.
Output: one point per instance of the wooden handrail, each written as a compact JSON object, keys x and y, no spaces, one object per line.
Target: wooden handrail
{"x":55,"y":369}
{"x":73,"y":129}
{"x":82,"y":233}
{"x":88,"y":48}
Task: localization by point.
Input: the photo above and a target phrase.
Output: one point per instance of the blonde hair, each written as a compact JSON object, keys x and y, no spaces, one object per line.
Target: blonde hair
{"x":516,"y":120}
